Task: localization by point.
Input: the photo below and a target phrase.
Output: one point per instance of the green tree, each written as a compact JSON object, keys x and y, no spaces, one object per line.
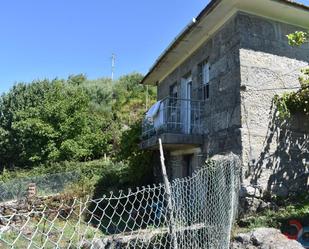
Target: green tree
{"x":21,"y":97}
{"x":76,"y":120}
{"x":129,"y":104}
{"x":47,"y":122}
{"x":140,"y":162}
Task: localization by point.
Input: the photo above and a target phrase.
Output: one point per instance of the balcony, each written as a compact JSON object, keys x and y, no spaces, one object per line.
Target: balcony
{"x":176,"y":121}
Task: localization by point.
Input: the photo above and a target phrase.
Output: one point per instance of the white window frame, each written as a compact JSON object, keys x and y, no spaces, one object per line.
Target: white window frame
{"x":205,"y":79}
{"x":205,"y":73}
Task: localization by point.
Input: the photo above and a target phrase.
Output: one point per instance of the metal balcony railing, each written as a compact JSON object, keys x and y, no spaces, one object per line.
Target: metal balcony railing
{"x":174,"y":115}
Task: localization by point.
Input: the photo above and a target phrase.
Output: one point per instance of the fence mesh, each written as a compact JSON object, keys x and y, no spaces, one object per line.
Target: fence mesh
{"x":203,"y":210}
{"x":46,"y":185}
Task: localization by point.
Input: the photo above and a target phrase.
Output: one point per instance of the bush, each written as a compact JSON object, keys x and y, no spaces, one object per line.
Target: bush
{"x":294,"y":208}
{"x":89,"y":175}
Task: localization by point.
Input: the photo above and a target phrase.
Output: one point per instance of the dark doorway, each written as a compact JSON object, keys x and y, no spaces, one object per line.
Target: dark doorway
{"x":187,"y":165}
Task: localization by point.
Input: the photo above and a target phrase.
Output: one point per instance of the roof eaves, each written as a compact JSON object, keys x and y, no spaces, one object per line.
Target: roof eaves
{"x":206,"y":11}
{"x":294,"y":4}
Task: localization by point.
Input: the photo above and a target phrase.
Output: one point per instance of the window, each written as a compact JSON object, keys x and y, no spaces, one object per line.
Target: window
{"x":172,"y":106}
{"x":187,"y":167}
{"x":204,"y":69}
{"x":173,"y":94}
{"x":173,"y":91}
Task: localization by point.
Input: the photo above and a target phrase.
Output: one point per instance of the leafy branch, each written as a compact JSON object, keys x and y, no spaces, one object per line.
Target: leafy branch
{"x":298,"y":38}
{"x":296,"y":102}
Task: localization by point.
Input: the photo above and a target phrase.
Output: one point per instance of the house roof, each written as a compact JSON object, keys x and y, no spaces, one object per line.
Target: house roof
{"x":295,"y":4}
{"x":210,"y":19}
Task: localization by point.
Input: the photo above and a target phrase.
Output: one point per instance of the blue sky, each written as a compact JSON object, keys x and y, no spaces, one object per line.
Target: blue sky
{"x":57,"y":38}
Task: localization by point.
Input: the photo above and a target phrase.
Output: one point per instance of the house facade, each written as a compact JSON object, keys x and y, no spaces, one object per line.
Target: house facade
{"x":216,"y":85}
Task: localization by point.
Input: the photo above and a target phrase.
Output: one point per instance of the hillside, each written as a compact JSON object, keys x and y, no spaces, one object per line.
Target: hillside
{"x":52,"y":126}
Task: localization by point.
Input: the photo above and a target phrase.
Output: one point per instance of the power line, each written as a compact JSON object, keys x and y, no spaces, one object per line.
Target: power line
{"x":272,"y":89}
{"x":278,"y":88}
{"x":280,"y":78}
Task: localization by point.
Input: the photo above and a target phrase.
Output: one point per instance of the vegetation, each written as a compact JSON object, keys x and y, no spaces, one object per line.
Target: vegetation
{"x":296,"y":102}
{"x":298,"y":38}
{"x":293,"y":208}
{"x":76,"y":178}
{"x":70,"y":125}
{"x":62,"y":232}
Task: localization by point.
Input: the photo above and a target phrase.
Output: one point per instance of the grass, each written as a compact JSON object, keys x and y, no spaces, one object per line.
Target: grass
{"x":293,"y":208}
{"x":65,"y":234}
{"x":51,"y":232}
{"x":76,"y":178}
{"x":90,"y":169}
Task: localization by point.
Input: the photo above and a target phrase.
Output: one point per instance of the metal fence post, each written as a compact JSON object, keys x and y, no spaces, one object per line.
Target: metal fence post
{"x":172,"y":231}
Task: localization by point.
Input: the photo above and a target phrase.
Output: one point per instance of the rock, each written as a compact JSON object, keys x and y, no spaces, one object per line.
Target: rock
{"x":243,"y":238}
{"x":249,"y":191}
{"x":280,"y":190}
{"x":252,"y":205}
{"x":264,"y":238}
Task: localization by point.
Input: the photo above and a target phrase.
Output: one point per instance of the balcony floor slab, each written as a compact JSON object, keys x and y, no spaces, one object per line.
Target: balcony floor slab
{"x":173,"y":141}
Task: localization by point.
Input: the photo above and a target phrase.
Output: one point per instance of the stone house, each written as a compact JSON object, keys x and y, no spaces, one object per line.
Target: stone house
{"x":216,"y":84}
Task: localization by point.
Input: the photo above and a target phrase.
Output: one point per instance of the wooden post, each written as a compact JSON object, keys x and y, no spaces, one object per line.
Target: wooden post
{"x":31,"y":190}
{"x":168,"y":197}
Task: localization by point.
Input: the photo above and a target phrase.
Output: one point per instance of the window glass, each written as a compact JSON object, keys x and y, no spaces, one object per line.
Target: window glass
{"x":204,"y":69}
{"x":205,"y":73}
{"x":173,"y":91}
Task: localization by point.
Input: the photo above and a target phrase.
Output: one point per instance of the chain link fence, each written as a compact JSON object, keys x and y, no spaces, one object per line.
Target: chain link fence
{"x":45,"y":185}
{"x":203,"y":208}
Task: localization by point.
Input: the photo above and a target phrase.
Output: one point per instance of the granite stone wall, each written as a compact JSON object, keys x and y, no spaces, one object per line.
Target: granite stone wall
{"x":275,"y":153}
{"x":221,"y":118}
{"x":251,"y":61}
